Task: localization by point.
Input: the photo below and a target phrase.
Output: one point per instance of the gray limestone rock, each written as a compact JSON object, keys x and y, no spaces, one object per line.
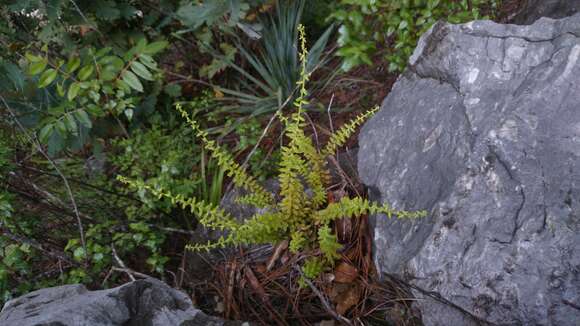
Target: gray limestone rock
{"x":483,"y":131}
{"x":141,"y":303}
{"x":534,"y":9}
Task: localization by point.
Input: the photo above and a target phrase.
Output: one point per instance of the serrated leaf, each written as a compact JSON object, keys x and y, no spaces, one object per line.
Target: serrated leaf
{"x":47,"y":78}
{"x":132,"y":80}
{"x":83,"y":118}
{"x":36,"y":68}
{"x":155,"y":47}
{"x":73,"y":91}
{"x":141,"y":70}
{"x":85,"y":72}
{"x":73,"y":64}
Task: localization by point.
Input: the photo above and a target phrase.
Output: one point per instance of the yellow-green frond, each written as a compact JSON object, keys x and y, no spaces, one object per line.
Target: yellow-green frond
{"x":208,"y":215}
{"x":340,"y":137}
{"x":262,"y":228}
{"x":355,"y":207}
{"x":222,"y":242}
{"x":329,"y":245}
{"x":240,"y":177}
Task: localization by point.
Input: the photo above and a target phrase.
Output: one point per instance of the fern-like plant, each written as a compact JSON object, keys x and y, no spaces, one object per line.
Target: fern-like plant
{"x":303,"y":217}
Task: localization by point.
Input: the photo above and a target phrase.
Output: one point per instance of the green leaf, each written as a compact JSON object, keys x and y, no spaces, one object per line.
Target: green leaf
{"x":47,"y":77}
{"x":129,"y":114}
{"x":148,"y":61}
{"x":70,"y":122}
{"x":73,"y":64}
{"x":36,"y":68}
{"x":60,"y":89}
{"x":103,"y":51}
{"x":83,"y":118}
{"x":132,"y":80}
{"x":110,"y":67}
{"x":61,"y":127}
{"x":86,"y":72}
{"x":14,"y":74}
{"x":155,"y":47}
{"x":45,"y":132}
{"x":73,"y":90}
{"x":107,"y":10}
{"x":79,"y":253}
{"x":195,"y":15}
{"x":173,"y":90}
{"x":141,"y":70}
{"x":33,"y":58}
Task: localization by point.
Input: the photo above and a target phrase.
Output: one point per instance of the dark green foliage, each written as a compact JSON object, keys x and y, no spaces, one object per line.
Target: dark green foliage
{"x":368,"y":23}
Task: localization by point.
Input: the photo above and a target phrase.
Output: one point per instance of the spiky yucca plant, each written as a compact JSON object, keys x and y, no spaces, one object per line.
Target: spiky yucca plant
{"x":303,"y":217}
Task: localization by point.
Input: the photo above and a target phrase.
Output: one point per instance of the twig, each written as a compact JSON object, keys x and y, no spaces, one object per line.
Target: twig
{"x":323,"y":300}
{"x":123,"y":268}
{"x":121,"y":263}
{"x":38,"y":146}
{"x":313,"y":130}
{"x":131,"y":272}
{"x":328,"y":112}
{"x":85,"y":18}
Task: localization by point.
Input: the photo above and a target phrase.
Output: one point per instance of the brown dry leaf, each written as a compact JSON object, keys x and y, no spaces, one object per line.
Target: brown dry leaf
{"x":345,"y":273}
{"x":348,"y":299}
{"x":337,"y":290}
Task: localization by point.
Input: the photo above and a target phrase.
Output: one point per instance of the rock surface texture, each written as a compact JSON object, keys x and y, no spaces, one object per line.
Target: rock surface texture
{"x":140,"y":303}
{"x":534,"y":9}
{"x":483,"y":131}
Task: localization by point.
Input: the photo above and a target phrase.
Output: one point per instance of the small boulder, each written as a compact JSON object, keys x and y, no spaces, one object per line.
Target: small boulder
{"x":147,"y":302}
